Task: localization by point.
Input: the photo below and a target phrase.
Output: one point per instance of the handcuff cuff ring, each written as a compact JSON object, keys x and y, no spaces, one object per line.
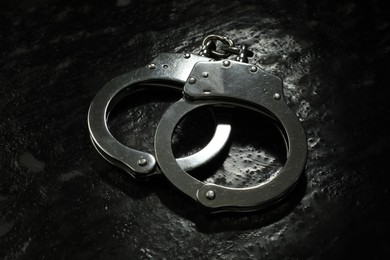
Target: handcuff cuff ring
{"x":238,"y":84}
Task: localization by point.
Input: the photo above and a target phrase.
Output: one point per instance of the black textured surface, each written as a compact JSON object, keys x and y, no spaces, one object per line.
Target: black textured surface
{"x":60,"y":200}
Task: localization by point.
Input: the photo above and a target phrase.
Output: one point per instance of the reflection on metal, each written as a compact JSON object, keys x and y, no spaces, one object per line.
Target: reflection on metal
{"x":139,"y":164}
{"x":211,"y":150}
{"x":208,"y":82}
{"x":234,"y":85}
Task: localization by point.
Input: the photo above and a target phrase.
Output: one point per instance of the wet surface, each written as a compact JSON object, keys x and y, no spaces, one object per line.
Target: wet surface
{"x":60,"y":199}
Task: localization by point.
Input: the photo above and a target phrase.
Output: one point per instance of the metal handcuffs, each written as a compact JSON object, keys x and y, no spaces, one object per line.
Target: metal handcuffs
{"x":204,"y":81}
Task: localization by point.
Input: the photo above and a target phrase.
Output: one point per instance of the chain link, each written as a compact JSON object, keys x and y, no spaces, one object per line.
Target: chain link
{"x":225,"y":49}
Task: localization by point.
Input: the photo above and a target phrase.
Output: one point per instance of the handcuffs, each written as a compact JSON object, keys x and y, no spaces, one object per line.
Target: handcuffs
{"x":209,"y":79}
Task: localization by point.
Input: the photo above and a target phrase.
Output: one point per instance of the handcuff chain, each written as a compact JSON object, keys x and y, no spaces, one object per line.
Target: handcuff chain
{"x":228,"y":48}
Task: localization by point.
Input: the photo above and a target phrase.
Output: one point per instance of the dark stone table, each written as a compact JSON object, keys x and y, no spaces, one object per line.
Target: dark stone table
{"x":60,"y":200}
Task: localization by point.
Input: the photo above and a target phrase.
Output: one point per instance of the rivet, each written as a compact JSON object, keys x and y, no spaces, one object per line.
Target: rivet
{"x":152,"y":66}
{"x":192,"y":80}
{"x":277,"y":96}
{"x":205,"y":74}
{"x":253,"y":69}
{"x":226,"y":63}
{"x":210,"y":194}
{"x":142,"y":162}
{"x":187,"y":55}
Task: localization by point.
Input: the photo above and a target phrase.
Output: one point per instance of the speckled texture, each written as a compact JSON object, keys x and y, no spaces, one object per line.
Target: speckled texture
{"x":60,"y":200}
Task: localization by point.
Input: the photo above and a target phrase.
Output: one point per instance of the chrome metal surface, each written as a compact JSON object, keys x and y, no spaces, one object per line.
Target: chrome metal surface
{"x":166,"y":70}
{"x":239,"y":85}
{"x":211,"y":150}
